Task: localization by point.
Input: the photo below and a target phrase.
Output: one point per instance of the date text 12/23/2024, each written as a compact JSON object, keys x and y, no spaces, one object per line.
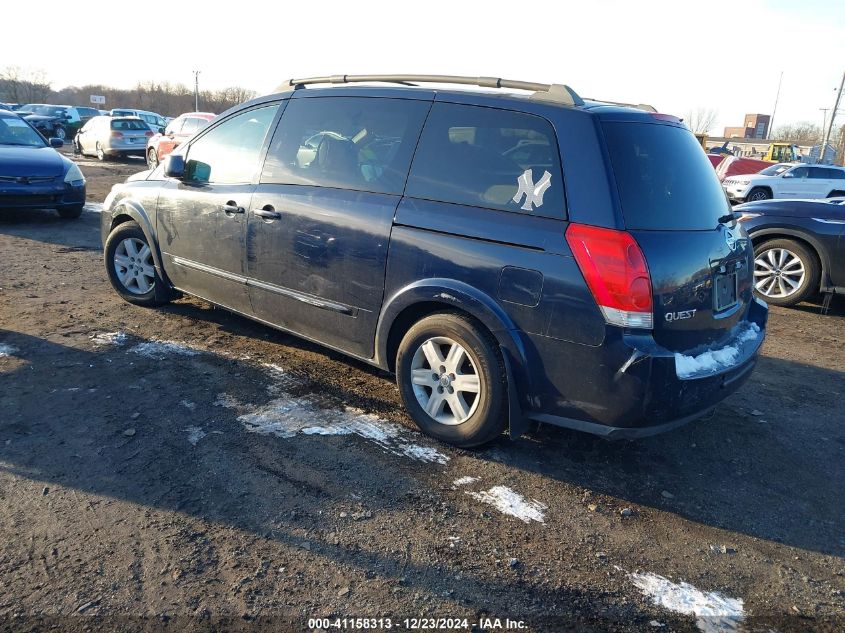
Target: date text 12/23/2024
{"x":416,"y":624}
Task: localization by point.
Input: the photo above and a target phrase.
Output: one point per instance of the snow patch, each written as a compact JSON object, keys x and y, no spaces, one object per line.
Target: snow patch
{"x":508,"y":501}
{"x":160,"y":349}
{"x":715,"y":360}
{"x":464,"y":481}
{"x":195,"y":434}
{"x":93,"y":207}
{"x":7,"y":350}
{"x":109,"y":338}
{"x":714,"y":612}
{"x":290,"y":416}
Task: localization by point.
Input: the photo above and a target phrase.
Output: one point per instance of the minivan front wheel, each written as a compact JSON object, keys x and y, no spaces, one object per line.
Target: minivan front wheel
{"x":452,"y":380}
{"x":130,"y":267}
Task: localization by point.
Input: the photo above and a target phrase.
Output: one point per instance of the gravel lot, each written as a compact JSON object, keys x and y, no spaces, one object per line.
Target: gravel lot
{"x":187,"y":469}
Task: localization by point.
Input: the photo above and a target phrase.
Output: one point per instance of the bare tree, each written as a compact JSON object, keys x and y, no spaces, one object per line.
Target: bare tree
{"x":702,"y":120}
{"x":18,"y":85}
{"x":802,"y":133}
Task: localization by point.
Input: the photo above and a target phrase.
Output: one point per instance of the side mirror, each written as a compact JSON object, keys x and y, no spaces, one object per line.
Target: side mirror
{"x":174,"y":166}
{"x":56,"y":142}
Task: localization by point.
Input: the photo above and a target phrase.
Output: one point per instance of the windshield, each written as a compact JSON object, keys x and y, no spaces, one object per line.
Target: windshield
{"x":775,"y":170}
{"x":665,"y":181}
{"x":14,"y":131}
{"x":45,"y":110}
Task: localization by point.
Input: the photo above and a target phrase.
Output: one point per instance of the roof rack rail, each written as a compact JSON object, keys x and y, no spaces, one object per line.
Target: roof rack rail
{"x":557,"y":93}
{"x":638,"y":106}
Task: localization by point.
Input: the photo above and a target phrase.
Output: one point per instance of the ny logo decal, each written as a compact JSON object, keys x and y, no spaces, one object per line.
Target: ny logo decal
{"x":533,"y":193}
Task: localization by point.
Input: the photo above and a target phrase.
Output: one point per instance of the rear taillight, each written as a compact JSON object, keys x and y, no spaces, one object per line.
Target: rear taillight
{"x":616,"y":273}
{"x":117,"y":134}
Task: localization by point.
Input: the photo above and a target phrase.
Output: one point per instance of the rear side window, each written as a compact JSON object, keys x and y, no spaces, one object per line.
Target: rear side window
{"x":486,"y":157}
{"x":665,"y":181}
{"x":358,"y":143}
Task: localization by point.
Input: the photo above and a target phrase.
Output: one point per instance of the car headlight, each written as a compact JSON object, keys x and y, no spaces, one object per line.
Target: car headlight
{"x":743,"y":182}
{"x":74,"y":176}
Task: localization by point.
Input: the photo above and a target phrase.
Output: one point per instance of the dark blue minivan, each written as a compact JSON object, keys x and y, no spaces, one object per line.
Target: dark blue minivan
{"x":512,"y":256}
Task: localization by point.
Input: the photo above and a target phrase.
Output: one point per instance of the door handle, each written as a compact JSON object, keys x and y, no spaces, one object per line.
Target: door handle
{"x":230,"y":208}
{"x":267,"y":213}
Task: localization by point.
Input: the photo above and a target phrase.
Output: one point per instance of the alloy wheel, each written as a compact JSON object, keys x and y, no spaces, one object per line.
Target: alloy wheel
{"x":133,"y":263}
{"x":445,"y":380}
{"x":778,"y":272}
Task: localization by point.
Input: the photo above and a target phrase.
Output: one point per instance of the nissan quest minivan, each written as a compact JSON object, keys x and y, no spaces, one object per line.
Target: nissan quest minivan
{"x":513,"y":256}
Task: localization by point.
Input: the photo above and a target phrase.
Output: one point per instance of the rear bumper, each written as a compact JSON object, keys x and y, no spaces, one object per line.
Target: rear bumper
{"x":631,"y":387}
{"x":52,"y":196}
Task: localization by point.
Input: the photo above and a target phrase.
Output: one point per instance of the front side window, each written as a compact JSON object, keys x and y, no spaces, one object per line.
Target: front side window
{"x":229,"y":153}
{"x":175,"y":126}
{"x":799,"y":172}
{"x":486,"y":157}
{"x":358,"y":143}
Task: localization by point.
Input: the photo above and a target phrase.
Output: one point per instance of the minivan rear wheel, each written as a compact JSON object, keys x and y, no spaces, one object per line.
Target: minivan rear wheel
{"x":452,"y":380}
{"x":785,"y":272}
{"x":131,"y":269}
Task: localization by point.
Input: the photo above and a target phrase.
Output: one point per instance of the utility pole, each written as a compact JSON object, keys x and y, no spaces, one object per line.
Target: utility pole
{"x":774,"y":109}
{"x":196,"y":90}
{"x":826,"y":138}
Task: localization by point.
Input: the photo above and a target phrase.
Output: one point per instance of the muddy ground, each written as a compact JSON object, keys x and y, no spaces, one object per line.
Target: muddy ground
{"x":238,"y":478}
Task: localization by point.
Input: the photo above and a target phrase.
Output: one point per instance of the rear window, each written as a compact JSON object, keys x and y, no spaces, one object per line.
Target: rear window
{"x":665,"y":181}
{"x":128,"y":124}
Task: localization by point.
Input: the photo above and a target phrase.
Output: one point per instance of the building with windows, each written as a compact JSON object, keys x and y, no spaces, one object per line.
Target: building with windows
{"x":756,"y":126}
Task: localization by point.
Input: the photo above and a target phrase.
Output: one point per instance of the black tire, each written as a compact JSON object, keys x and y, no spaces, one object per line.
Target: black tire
{"x":487,"y":416}
{"x":160,"y":293}
{"x":152,"y":158}
{"x":70,"y":213}
{"x":812,"y":271}
{"x":758,"y":193}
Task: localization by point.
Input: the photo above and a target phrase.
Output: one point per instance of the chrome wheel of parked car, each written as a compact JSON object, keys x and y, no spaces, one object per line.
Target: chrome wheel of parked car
{"x":100,"y":153}
{"x":785,"y":272}
{"x":59,"y":132}
{"x":759,"y":193}
{"x":133,"y":263}
{"x":445,"y":380}
{"x":152,"y":158}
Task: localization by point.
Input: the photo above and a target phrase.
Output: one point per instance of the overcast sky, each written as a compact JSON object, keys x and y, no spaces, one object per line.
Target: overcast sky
{"x":676,"y":55}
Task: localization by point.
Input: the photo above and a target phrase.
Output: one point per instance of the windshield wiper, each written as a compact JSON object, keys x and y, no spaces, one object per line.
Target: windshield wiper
{"x":19,"y":144}
{"x":728,"y":217}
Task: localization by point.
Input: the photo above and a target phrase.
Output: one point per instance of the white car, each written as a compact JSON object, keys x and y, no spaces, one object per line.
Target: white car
{"x":787,"y":180}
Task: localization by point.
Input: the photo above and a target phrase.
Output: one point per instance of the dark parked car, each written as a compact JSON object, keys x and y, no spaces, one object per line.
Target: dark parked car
{"x":509,"y":257}
{"x":799,"y":247}
{"x":59,"y":121}
{"x":33,"y":175}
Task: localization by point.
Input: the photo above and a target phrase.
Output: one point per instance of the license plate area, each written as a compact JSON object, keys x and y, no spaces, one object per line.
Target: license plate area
{"x":725,"y":291}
